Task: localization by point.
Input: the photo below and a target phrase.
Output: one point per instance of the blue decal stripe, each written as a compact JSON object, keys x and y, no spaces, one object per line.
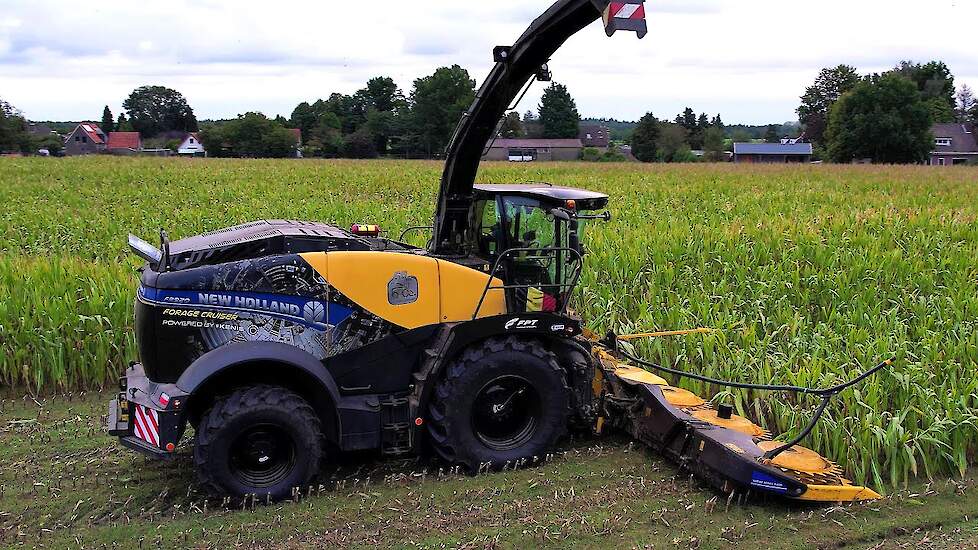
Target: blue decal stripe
{"x":308,"y":312}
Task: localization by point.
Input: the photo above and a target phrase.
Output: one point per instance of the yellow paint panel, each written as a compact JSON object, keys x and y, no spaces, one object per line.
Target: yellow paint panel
{"x":364,"y":277}
{"x":639,"y":375}
{"x":838,"y":493}
{"x":461,"y":288}
{"x":735,"y":422}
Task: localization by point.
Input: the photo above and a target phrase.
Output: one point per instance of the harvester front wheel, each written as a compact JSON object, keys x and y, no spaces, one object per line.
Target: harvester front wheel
{"x":501,"y":404}
{"x":260,"y":440}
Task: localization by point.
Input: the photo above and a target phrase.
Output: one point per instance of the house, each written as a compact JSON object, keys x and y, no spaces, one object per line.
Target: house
{"x":526,"y":150}
{"x":124,"y":143}
{"x":85,"y":139}
{"x":191,"y":146}
{"x":772,"y":153}
{"x":595,"y":136}
{"x":39,"y":130}
{"x":954,"y":144}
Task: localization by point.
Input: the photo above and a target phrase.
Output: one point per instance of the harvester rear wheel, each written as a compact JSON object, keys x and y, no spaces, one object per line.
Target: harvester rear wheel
{"x":503,"y":403}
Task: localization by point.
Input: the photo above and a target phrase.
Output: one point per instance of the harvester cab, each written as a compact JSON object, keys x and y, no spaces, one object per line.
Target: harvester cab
{"x":279,"y":341}
{"x":529,"y":236}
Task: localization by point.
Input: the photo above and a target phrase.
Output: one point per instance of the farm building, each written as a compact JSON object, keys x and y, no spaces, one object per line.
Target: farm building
{"x":191,"y":146}
{"x":85,"y":139}
{"x":124,"y":143}
{"x":595,"y":136}
{"x":772,"y":153}
{"x":526,"y":150}
{"x":954,"y":144}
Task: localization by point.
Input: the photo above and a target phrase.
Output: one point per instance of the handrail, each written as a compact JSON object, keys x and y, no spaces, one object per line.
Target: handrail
{"x":496,"y":265}
{"x":414,"y":228}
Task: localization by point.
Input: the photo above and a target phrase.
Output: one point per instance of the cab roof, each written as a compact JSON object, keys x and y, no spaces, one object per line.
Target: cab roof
{"x":586,"y":200}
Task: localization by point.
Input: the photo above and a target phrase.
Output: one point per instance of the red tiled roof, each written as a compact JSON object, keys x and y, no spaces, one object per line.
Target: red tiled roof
{"x":297,"y":133}
{"x":93,"y":132}
{"x":124,"y":140}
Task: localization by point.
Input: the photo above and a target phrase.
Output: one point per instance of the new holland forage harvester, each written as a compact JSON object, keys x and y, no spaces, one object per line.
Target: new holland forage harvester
{"x":282,"y":342}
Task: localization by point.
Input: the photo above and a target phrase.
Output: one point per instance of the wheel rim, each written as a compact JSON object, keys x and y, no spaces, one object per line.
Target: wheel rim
{"x":262,"y":456}
{"x":506,"y":413}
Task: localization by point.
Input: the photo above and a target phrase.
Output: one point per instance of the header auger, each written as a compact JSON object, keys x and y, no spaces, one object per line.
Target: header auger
{"x":282,"y":342}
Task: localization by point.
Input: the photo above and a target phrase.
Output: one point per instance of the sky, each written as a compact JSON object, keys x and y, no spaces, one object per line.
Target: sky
{"x":748,"y":60}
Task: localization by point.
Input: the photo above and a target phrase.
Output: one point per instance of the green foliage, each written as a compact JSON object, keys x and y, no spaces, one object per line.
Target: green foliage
{"x":884,"y":119}
{"x":772,"y":135}
{"x":359,"y":145}
{"x":818,"y":99}
{"x":53,"y":143}
{"x":13,"y":130}
{"x":558,"y":113}
{"x":437,"y":104}
{"x":154,"y":110}
{"x":742,"y":136}
{"x":591,"y":154}
{"x":512,"y":126}
{"x":645,"y":138}
{"x":123,"y":124}
{"x":713,"y":144}
{"x":936,"y":85}
{"x":672,"y":140}
{"x":251,"y":135}
{"x":107,"y":124}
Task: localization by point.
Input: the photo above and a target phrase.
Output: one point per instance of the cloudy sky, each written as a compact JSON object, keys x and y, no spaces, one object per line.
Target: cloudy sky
{"x":748,"y":59}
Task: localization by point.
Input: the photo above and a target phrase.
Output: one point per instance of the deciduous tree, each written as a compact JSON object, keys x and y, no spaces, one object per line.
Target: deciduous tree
{"x":156,"y":109}
{"x":713,"y":141}
{"x":437,"y":104}
{"x":829,"y":86}
{"x":884,"y":119}
{"x":512,"y":126}
{"x":251,"y":135}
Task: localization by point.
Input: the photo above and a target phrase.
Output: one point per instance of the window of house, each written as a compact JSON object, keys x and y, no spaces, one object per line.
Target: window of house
{"x":958,"y":162}
{"x":77,"y":138}
{"x":191,"y":140}
{"x":589,"y":136}
{"x":942,"y":142}
{"x":84,"y":139}
{"x":940,"y":161}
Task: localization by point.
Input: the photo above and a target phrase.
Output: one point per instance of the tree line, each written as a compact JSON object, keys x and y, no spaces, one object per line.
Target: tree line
{"x":886,"y":117}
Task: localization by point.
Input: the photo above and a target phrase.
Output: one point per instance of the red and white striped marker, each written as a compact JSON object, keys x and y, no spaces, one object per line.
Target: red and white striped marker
{"x":622,"y":10}
{"x":625,"y":15}
{"x":146,"y":425}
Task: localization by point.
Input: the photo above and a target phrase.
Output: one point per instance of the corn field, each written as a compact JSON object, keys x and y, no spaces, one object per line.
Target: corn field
{"x":808,"y":274}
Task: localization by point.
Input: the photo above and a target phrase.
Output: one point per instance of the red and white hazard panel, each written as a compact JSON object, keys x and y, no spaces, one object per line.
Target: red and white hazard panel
{"x":145,"y":424}
{"x":625,"y":15}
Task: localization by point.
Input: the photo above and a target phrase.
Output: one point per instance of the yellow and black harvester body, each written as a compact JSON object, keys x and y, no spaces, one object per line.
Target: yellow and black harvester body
{"x":281,"y":342}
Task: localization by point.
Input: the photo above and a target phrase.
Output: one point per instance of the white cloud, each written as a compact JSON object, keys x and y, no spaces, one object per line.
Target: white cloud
{"x":746,"y":60}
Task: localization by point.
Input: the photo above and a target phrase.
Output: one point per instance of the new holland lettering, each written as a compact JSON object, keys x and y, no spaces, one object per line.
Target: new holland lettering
{"x":248,"y":302}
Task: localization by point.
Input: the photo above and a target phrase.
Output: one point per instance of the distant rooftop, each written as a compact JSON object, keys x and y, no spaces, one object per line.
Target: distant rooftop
{"x":537,"y":143}
{"x":773,"y":149}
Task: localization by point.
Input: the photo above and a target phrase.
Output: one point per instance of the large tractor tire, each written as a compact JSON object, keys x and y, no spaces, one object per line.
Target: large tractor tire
{"x":501,"y":404}
{"x":261,"y":440}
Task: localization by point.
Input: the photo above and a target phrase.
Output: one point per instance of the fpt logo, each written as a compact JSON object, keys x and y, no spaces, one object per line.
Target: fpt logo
{"x":521,"y":324}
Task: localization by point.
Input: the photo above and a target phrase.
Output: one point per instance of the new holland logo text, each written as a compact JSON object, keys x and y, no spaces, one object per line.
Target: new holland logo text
{"x":245,"y":302}
{"x":516,"y":324}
